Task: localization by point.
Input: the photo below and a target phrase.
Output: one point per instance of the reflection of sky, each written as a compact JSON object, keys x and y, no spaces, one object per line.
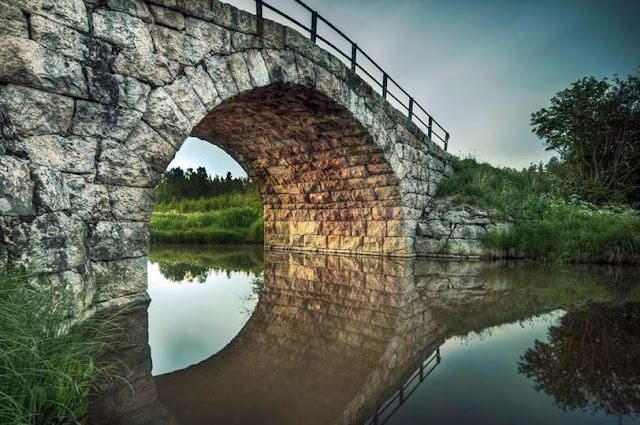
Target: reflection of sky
{"x":478,"y":382}
{"x":189,"y":321}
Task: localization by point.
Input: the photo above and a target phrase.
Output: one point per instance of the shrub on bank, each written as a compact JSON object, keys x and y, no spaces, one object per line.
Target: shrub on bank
{"x":550,"y":224}
{"x":47,"y":367}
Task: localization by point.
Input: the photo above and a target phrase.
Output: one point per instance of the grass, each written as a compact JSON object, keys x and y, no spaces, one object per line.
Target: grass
{"x":47,"y":366}
{"x":549,"y":224}
{"x":230,"y":225}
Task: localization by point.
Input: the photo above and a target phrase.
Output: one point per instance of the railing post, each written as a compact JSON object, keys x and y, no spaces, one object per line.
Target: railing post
{"x":421,"y":372}
{"x":259,"y":15}
{"x":314,"y":25}
{"x":384,"y":86}
{"x":438,"y":350}
{"x":446,"y":146}
{"x":410,"y":108}
{"x":401,"y":394}
{"x":354,"y":52}
{"x":430,"y":129}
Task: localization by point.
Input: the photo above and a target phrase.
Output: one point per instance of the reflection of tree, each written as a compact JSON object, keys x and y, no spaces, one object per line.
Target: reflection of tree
{"x":592,"y":360}
{"x":250,"y":299}
{"x":178,"y":272}
{"x":194,"y":264}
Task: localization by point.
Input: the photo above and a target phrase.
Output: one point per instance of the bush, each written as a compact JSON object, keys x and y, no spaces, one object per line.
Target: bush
{"x":46,"y":367}
{"x":550,"y":224}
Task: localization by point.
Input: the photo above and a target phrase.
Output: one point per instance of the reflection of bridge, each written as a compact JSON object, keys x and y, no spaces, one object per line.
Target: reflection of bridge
{"x":333,"y":339}
{"x":381,"y":414}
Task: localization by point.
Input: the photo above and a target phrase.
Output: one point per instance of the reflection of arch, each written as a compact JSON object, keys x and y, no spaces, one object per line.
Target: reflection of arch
{"x":356,"y":328}
{"x":84,"y":142}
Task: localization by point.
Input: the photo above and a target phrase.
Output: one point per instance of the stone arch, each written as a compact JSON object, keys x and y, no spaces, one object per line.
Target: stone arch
{"x":96,"y":98}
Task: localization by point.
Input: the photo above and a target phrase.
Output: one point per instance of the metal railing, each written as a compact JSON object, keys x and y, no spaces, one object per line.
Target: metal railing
{"x":415,"y":112}
{"x":404,"y":392}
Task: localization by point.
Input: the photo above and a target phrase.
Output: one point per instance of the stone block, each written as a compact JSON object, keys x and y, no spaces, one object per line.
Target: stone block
{"x":72,"y":13}
{"x":118,"y":278}
{"x":115,"y":89}
{"x":52,"y":242}
{"x":177,"y":46}
{"x":219,"y":71}
{"x":203,"y":86}
{"x":146,"y":143}
{"x":216,"y":38}
{"x":118,"y":165}
{"x":315,"y":241}
{"x":50,"y":190}
{"x":164,"y":116}
{"x":469,"y":231}
{"x":281,"y":65}
{"x":137,"y":8}
{"x":70,"y":290}
{"x":123,"y":30}
{"x":131,"y":203}
{"x":239,"y":71}
{"x":376,"y":228}
{"x":257,"y":68}
{"x":111,"y":240}
{"x":12,"y":21}
{"x":68,"y":154}
{"x":89,"y":201}
{"x":59,"y":38}
{"x":185,"y":97}
{"x":24,"y":62}
{"x":167,"y":17}
{"x":16,"y":196}
{"x":151,"y":68}
{"x":104,"y":121}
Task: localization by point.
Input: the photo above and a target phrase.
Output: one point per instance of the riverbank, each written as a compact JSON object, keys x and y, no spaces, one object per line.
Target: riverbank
{"x":235,"y":218}
{"x":548,"y":223}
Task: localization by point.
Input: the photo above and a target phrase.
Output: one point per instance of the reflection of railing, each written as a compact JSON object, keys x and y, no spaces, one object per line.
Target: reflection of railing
{"x":414,"y":110}
{"x":404,"y":392}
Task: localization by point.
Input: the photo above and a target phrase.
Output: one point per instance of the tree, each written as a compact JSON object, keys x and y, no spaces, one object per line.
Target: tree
{"x":595,"y":128}
{"x":591,"y":360}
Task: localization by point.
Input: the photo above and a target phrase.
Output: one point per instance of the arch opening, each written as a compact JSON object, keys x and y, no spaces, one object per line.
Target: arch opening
{"x":324,"y":182}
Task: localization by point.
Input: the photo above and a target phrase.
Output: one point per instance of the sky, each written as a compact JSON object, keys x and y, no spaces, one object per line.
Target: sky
{"x":479,"y":67}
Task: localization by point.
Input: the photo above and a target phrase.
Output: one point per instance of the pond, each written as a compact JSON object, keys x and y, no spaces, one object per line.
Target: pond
{"x":245,"y":336}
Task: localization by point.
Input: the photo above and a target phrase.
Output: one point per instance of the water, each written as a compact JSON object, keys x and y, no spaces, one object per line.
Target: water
{"x":238,"y":336}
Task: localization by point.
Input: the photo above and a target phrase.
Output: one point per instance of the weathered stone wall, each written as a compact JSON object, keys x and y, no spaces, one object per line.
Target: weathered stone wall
{"x":447,"y":229}
{"x":96,"y":97}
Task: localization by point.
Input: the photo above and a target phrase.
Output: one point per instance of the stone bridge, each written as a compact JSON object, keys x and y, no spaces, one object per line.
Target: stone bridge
{"x":96,"y":97}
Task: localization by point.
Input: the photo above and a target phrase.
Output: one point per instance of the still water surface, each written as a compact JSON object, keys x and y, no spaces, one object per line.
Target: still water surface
{"x":242,"y":336}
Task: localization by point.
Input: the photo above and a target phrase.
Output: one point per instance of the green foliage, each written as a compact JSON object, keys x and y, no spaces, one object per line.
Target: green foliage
{"x":47,"y":367}
{"x":177,"y":184}
{"x":219,"y":202}
{"x":227,"y":226}
{"x":595,"y":128}
{"x":550,"y":224}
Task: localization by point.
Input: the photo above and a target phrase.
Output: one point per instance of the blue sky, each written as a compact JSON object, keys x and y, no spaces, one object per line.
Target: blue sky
{"x":479,"y":67}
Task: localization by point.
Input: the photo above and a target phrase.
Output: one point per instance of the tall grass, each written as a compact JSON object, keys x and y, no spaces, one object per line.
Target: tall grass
{"x":226,"y":226}
{"x":47,"y":367}
{"x":549,"y":223}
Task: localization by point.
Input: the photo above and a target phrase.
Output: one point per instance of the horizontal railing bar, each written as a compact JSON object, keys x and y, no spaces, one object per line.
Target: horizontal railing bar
{"x":333,"y":27}
{"x":352,"y":59}
{"x":333,"y":46}
{"x":284,"y":15}
{"x":369,"y":75}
